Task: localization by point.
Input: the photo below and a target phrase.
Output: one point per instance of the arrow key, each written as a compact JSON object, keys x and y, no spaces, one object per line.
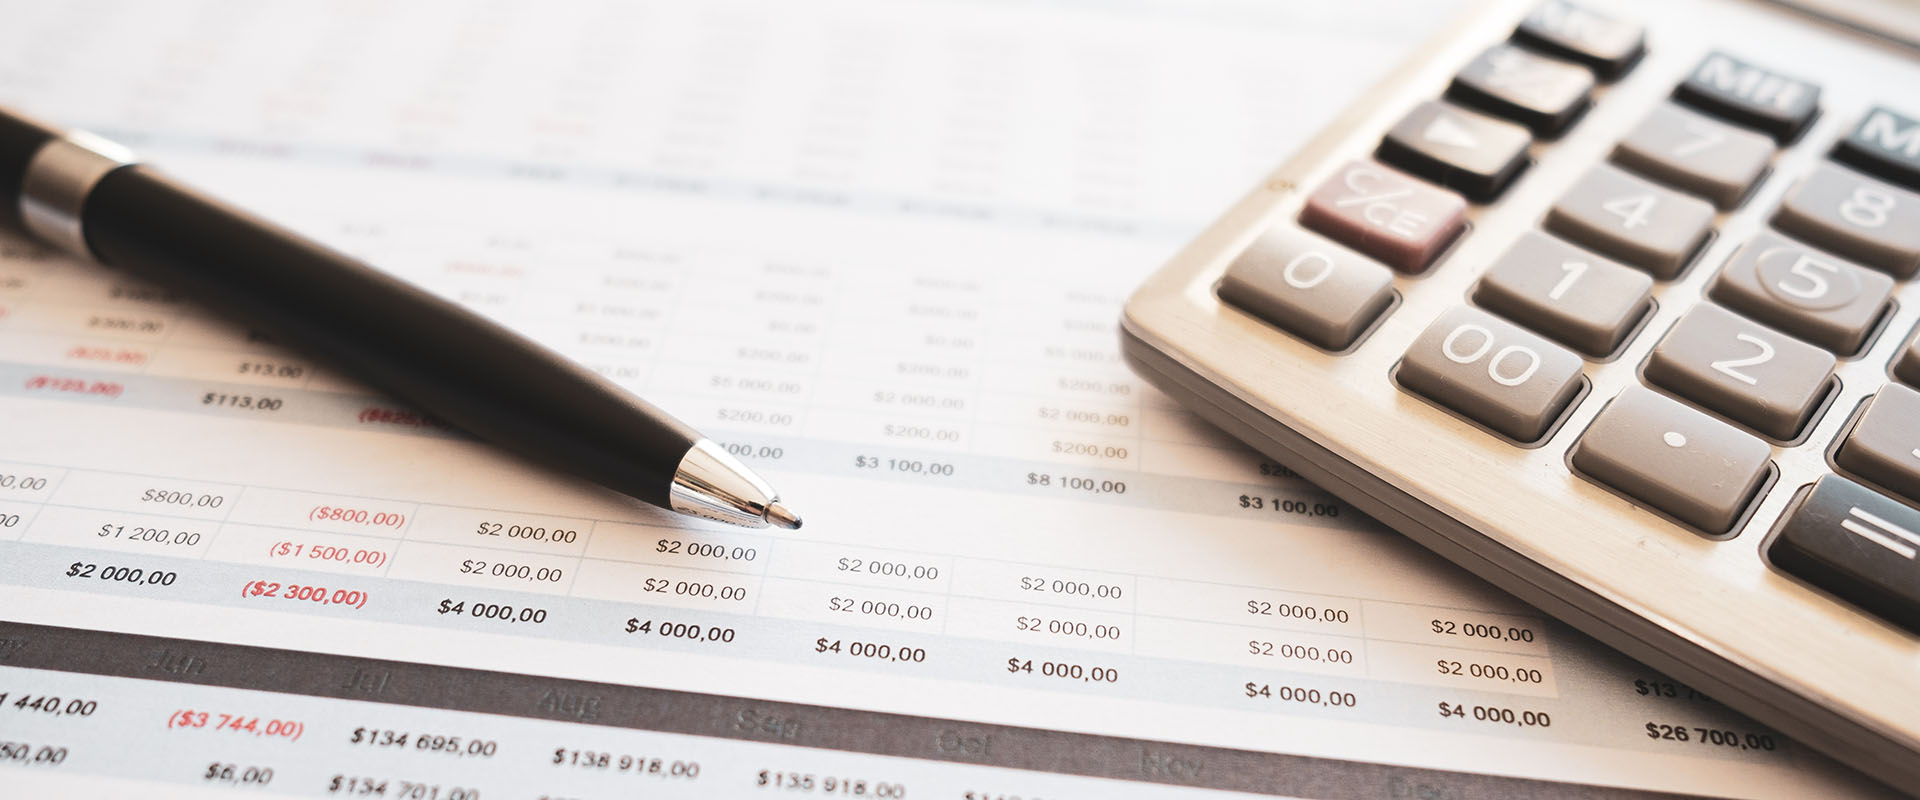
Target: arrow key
{"x":1456,"y":148}
{"x":1856,"y":544}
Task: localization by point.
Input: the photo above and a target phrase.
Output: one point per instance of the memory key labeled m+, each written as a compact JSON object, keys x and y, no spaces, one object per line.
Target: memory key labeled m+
{"x":1885,"y":144}
{"x":1778,"y":105}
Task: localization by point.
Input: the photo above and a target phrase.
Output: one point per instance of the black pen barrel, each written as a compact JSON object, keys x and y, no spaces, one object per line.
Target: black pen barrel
{"x":469,"y":372}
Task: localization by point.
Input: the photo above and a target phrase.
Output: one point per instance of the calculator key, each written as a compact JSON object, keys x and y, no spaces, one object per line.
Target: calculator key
{"x":1544,"y":94}
{"x":1906,"y":366}
{"x":1456,"y":148}
{"x":1493,"y":372}
{"x":1746,"y":371}
{"x":1817,"y":297}
{"x":1657,"y":451}
{"x":1582,"y":300}
{"x":1385,"y":213}
{"x":1696,"y":153}
{"x":1855,"y":216}
{"x":1606,"y":45}
{"x":1858,"y":545}
{"x":1308,"y":286}
{"x":1885,"y":144}
{"x":1633,"y":220}
{"x":1773,"y":103}
{"x":1884,"y":446}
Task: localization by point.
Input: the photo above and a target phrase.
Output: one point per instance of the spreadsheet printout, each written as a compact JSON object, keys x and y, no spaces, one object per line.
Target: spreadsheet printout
{"x":878,"y":250}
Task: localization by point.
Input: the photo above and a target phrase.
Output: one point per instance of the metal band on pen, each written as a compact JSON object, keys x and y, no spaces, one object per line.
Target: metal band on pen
{"x":711,"y":483}
{"x":54,"y":190}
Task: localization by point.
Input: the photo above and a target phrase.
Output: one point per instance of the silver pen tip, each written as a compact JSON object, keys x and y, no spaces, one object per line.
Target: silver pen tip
{"x":778,"y":516}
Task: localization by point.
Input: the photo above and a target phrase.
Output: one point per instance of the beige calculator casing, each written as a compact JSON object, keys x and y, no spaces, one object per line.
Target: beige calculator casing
{"x":1709,"y":612}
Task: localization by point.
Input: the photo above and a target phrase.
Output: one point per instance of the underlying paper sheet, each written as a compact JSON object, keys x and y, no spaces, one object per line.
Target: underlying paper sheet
{"x":878,"y":248}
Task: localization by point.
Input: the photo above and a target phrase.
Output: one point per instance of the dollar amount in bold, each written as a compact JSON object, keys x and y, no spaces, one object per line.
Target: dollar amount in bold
{"x":236,"y":775}
{"x":318,"y":595}
{"x":1076,"y":483}
{"x":519,"y":572}
{"x":1521,"y":718}
{"x":32,"y":755}
{"x":1283,"y":505}
{"x":1710,"y":736}
{"x":53,"y":705}
{"x":877,"y":652}
{"x":362,"y":786}
{"x":829,"y":784}
{"x":1666,"y":688}
{"x":494,"y":611}
{"x":1301,"y":694}
{"x":1062,"y":669}
{"x":135,"y":575}
{"x":1474,"y":630}
{"x":190,"y":719}
{"x":424,"y":742}
{"x":245,"y":402}
{"x":681,"y":630}
{"x":617,"y":762}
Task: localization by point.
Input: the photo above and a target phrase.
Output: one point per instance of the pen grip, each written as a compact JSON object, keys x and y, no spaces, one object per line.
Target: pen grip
{"x":472,"y":373}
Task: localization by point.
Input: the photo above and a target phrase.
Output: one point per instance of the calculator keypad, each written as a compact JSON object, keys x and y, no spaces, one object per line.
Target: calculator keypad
{"x":1817,"y":297}
{"x":1696,"y":153}
{"x":1884,"y":445}
{"x":1387,"y":214}
{"x":1871,"y":222}
{"x":1750,"y":95}
{"x":1308,"y":286}
{"x":1633,"y":220}
{"x":1544,"y":94}
{"x":1742,"y":370}
{"x":1493,"y":372}
{"x":1582,"y":300}
{"x":1686,"y":464}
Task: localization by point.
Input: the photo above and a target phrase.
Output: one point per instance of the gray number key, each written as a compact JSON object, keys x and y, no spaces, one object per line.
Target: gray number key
{"x":1855,"y":216}
{"x":1584,"y":301}
{"x":1857,"y":544}
{"x":1632,"y":219}
{"x":1308,"y":286}
{"x":1686,"y":464}
{"x":1884,"y":446}
{"x":1493,"y":372}
{"x":1696,"y":153}
{"x":1746,"y":371}
{"x":1812,"y":295}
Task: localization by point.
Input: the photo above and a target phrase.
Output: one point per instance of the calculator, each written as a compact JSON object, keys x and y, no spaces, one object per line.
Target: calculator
{"x":1615,"y":306}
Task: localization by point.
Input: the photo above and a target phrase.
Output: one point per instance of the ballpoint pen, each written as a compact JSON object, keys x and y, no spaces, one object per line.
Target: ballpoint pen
{"x":87,"y":196}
